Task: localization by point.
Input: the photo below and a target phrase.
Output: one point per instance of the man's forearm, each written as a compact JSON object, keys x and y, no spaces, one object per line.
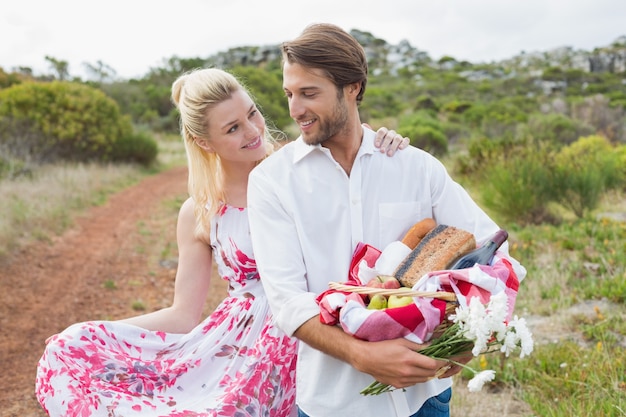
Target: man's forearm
{"x":395,"y":362}
{"x":331,"y":340}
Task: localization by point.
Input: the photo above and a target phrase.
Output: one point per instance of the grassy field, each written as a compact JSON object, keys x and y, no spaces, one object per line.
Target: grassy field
{"x":573,"y":297}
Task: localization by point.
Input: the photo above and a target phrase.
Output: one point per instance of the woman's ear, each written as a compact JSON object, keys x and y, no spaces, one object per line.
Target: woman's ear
{"x":204,"y":144}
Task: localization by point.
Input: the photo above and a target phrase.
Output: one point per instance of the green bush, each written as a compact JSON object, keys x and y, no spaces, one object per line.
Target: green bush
{"x":425,"y":132}
{"x":620,"y":154}
{"x":427,"y":138}
{"x":138,"y":147}
{"x":379,"y":103}
{"x":519,"y":187}
{"x":426,"y":102}
{"x":456,"y":106}
{"x":584,"y":170}
{"x":597,"y":111}
{"x":481,"y":151}
{"x":555,"y":128}
{"x":67,"y":121}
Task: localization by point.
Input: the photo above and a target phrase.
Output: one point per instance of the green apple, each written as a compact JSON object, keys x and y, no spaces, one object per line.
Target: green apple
{"x":398,"y":301}
{"x":377,"y":302}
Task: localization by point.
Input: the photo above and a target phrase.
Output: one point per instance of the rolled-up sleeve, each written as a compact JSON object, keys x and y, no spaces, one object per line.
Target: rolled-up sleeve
{"x":278,"y":254}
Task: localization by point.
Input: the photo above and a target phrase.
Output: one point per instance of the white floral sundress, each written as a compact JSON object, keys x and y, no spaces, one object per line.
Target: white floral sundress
{"x":235,"y":363}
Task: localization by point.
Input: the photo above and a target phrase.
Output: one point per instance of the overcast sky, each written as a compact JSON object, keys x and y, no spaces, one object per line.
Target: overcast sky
{"x":132,"y":36}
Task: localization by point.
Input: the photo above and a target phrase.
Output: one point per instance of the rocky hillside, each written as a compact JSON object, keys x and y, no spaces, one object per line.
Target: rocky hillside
{"x":387,"y":57}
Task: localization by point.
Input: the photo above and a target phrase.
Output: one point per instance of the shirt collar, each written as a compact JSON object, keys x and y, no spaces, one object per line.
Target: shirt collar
{"x":302,"y":149}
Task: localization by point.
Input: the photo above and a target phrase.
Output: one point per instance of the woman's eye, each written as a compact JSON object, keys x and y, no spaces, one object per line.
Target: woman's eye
{"x":232,"y":129}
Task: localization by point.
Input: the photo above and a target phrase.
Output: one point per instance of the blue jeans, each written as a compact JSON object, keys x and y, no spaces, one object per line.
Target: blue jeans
{"x":437,"y":406}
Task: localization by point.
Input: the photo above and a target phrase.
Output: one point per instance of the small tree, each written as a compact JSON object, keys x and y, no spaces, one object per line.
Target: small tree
{"x":60,"y":67}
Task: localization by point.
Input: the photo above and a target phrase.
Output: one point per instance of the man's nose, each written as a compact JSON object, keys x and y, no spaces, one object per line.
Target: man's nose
{"x":296,"y":109}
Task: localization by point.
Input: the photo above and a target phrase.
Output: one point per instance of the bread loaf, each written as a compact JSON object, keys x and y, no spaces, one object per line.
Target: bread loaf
{"x":436,"y":251}
{"x":417,"y":232}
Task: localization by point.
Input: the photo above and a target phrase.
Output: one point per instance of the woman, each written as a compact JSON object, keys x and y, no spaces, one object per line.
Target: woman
{"x":166,"y":363}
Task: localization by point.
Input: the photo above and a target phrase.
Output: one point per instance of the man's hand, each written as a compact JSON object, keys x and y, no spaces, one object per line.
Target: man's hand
{"x":452,"y":369}
{"x":396,"y":362}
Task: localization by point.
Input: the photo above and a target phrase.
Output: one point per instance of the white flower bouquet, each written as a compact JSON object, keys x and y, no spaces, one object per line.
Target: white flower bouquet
{"x":477,"y":328}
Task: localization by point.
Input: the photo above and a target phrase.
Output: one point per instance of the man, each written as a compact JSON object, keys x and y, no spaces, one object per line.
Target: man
{"x":314,"y":200}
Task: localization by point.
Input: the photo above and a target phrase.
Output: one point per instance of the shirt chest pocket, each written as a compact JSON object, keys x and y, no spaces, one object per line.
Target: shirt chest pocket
{"x":395,"y":219}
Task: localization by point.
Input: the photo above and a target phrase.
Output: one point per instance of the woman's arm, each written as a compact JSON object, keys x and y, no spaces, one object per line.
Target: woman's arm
{"x":195,"y":263}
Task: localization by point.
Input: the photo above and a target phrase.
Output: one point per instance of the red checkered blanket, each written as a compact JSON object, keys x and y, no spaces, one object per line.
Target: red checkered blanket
{"x":416,"y":321}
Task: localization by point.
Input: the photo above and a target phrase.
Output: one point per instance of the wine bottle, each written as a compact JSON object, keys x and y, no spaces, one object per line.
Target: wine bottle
{"x":483,"y":254}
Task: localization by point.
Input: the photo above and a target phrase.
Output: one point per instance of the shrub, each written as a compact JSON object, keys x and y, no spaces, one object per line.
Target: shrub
{"x":519,"y":187}
{"x":556,"y":128}
{"x":598,"y":112}
{"x":427,"y":138}
{"x":426,"y":102}
{"x":139,"y":147}
{"x":456,"y":106}
{"x":379,"y":103}
{"x":60,"y":120}
{"x":425,"y":132}
{"x":481,"y":151}
{"x":584,"y":170}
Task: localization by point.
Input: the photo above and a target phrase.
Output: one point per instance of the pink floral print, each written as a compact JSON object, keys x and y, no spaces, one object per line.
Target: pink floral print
{"x":235,"y":363}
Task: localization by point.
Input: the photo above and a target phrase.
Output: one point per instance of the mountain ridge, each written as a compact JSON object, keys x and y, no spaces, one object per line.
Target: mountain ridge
{"x":384,"y":56}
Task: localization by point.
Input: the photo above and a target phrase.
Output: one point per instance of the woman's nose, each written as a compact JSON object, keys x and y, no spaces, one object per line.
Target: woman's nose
{"x":251,"y":129}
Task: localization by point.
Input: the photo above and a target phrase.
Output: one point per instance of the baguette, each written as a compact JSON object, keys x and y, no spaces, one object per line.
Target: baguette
{"x":436,"y":251}
{"x":417,"y":232}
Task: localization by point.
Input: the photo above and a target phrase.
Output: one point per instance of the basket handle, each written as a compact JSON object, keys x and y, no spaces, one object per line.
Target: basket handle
{"x":442,"y":295}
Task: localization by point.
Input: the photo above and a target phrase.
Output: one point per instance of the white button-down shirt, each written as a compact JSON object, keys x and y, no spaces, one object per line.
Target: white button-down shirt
{"x":306,"y":218}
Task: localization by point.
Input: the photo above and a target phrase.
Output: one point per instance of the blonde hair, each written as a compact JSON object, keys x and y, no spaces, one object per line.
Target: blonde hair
{"x":195,"y":93}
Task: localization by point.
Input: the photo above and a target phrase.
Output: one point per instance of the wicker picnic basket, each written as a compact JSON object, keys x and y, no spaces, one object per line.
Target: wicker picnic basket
{"x":401,"y":292}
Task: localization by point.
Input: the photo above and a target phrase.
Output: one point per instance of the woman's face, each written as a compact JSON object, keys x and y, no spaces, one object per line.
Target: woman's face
{"x":236,"y":130}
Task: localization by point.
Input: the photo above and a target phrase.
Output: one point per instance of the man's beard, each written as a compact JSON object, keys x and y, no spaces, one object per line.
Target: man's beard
{"x":335,"y":123}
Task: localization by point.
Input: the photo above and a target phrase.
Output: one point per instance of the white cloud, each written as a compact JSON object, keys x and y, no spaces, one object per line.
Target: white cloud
{"x":134,"y":35}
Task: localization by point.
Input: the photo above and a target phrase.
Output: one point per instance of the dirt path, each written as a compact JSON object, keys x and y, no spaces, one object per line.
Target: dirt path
{"x":48,"y":286}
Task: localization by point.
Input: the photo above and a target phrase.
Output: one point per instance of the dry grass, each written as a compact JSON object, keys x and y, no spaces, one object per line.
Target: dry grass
{"x":43,"y":205}
{"x":500,"y":402}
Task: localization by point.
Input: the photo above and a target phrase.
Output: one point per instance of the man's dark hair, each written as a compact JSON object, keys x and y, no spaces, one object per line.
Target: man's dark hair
{"x":331,"y":49}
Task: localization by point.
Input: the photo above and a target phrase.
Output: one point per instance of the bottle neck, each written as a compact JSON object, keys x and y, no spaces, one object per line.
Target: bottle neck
{"x":498,"y":239}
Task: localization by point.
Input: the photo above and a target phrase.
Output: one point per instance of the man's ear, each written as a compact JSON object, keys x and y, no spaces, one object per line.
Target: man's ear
{"x":353,"y":89}
{"x":204,"y":144}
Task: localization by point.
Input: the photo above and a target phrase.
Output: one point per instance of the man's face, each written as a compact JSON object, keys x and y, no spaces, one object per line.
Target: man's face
{"x":315,"y":103}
